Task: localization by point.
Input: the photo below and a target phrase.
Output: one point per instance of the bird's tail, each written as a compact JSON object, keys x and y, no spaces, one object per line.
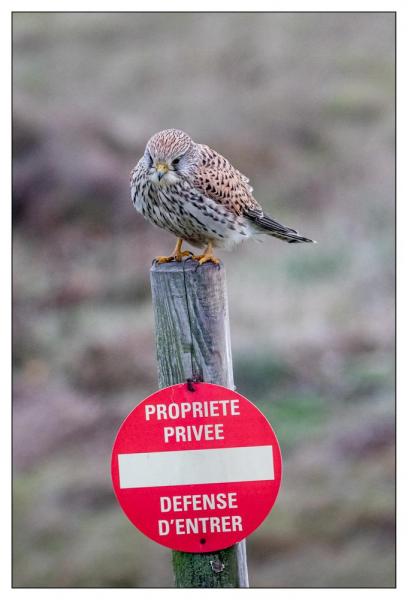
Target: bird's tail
{"x":266,"y":224}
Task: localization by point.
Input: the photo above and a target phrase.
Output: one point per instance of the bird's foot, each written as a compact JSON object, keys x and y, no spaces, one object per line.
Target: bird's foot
{"x":177,"y":257}
{"x":163,"y":259}
{"x":207,"y":257}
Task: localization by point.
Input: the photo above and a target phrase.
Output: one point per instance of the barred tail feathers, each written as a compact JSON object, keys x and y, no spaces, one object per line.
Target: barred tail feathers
{"x":267,"y":225}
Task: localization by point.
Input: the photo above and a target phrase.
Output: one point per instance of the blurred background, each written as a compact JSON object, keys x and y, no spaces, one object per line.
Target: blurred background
{"x":304,"y":105}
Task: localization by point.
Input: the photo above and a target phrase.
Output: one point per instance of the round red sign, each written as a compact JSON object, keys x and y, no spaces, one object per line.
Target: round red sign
{"x":196,"y":471}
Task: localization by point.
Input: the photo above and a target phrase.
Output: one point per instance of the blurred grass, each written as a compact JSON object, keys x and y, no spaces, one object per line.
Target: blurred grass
{"x":325,"y":266}
{"x":303,"y":104}
{"x":296,"y":410}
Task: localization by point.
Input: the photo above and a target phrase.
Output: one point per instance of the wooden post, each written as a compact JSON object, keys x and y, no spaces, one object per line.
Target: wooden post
{"x":193,"y":341}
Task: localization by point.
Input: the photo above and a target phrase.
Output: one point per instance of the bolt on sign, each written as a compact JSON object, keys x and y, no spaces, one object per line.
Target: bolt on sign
{"x":196,"y":471}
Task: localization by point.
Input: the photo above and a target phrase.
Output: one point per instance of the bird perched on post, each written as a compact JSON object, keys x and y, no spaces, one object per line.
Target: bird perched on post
{"x":195,"y":193}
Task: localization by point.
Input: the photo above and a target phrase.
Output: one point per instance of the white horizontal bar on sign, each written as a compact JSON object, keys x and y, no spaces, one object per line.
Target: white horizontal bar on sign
{"x":187,"y":467}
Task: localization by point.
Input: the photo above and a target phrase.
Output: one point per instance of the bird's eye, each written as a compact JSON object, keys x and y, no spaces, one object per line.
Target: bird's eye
{"x":176,"y":161}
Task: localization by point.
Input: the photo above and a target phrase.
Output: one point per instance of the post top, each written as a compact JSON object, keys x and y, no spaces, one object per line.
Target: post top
{"x":187,"y":265}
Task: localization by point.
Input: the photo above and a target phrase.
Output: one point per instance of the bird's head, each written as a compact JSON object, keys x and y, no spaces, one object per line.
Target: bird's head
{"x":169,"y":156}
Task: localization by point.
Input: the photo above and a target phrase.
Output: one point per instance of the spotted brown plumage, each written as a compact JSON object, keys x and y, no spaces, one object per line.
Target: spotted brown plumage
{"x":196,"y":194}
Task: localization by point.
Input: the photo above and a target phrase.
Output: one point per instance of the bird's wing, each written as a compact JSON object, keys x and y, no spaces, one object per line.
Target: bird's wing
{"x":217,"y":179}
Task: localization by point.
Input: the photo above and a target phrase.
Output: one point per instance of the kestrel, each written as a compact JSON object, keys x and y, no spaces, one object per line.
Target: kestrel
{"x":195,"y":193}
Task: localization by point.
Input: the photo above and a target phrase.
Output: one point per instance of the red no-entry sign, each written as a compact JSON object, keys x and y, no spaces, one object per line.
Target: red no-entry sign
{"x":196,"y":471}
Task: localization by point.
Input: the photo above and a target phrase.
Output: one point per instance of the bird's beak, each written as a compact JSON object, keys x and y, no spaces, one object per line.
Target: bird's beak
{"x":161,"y":169}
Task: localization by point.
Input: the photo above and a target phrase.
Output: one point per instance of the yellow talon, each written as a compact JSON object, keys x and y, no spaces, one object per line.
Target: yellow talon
{"x":177,"y":254}
{"x":164,"y":259}
{"x":208,"y":256}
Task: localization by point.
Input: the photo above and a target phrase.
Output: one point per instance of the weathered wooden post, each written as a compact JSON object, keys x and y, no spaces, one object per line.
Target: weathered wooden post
{"x":193,"y":342}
